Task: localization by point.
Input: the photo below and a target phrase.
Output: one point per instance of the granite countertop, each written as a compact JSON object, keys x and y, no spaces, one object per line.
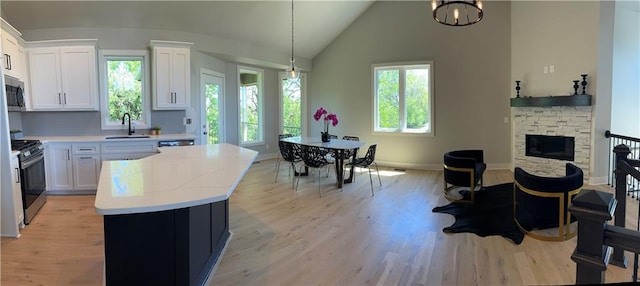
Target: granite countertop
{"x":103,"y":138}
{"x":177,"y":177}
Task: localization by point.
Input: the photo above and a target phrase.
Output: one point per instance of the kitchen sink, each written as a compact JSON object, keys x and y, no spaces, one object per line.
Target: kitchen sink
{"x":127,"y":137}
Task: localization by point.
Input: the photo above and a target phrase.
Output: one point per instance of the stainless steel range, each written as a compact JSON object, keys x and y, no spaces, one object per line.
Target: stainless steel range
{"x":32,"y":176}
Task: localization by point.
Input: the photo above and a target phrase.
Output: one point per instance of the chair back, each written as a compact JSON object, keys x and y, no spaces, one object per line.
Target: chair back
{"x":282,"y":136}
{"x":349,"y":153}
{"x":313,"y":156}
{"x":370,"y":156}
{"x":290,"y":152}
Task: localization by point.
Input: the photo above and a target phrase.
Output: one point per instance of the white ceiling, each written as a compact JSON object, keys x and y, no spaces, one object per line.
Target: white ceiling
{"x":263,"y":23}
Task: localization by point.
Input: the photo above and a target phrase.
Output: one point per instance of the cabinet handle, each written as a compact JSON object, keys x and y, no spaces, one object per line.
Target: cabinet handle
{"x":17,"y":176}
{"x":68,"y":155}
{"x":85,"y":149}
{"x":65,"y":98}
{"x":6,"y":61}
{"x":10,"y":67}
{"x":85,"y":158}
{"x":59,"y":98}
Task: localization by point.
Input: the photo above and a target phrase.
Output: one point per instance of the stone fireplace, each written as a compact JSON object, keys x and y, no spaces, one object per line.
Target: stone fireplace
{"x":555,"y":122}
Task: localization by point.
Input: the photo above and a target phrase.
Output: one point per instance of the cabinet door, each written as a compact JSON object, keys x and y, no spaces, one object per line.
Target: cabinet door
{"x":163,"y":96}
{"x":86,"y":172}
{"x":59,"y":168}
{"x":44,"y":67}
{"x":180,"y":77}
{"x":17,"y":191}
{"x":78,"y":74}
{"x":10,"y":61}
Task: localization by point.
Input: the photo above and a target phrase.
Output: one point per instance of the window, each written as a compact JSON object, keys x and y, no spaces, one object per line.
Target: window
{"x":251,"y":114}
{"x":124,"y":88}
{"x":403,"y":98}
{"x":292,"y":104}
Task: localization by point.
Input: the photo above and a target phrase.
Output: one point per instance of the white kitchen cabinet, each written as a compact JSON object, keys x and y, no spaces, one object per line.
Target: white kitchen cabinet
{"x":86,"y":166}
{"x":128,"y":150}
{"x":171,"y":75}
{"x":63,"y":78}
{"x":59,"y":167}
{"x":13,"y":60}
{"x":17,"y":191}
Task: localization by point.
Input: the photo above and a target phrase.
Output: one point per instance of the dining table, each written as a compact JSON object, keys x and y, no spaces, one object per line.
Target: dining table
{"x":338,"y":147}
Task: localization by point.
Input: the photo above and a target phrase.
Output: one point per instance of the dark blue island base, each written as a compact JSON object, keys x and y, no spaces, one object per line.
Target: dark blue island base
{"x":173,"y":247}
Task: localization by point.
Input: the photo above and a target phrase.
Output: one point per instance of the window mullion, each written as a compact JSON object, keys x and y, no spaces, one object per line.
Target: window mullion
{"x":401,"y":99}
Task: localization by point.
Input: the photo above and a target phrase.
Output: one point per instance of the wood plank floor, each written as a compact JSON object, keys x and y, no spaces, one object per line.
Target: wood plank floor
{"x":284,"y":237}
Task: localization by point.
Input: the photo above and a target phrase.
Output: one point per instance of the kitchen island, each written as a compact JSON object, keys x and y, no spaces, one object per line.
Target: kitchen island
{"x":166,"y":217}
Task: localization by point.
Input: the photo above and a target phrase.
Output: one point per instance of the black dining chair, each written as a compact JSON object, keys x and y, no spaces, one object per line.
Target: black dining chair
{"x":280,"y":137}
{"x":348,"y":154}
{"x":290,"y":152}
{"x":314,"y":158}
{"x":366,"y":162}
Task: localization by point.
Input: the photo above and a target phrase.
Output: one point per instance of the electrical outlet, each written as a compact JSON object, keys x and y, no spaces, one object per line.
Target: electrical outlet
{"x":186,"y":121}
{"x":552,"y":69}
{"x":267,"y":146}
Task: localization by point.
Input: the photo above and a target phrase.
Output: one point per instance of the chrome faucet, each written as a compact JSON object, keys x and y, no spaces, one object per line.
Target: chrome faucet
{"x":129,"y":116}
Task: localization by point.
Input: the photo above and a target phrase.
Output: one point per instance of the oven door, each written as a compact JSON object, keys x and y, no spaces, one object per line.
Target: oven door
{"x":33,"y":180}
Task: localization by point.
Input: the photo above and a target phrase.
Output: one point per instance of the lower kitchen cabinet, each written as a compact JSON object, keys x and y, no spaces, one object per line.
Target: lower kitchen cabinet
{"x":73,"y":168}
{"x":59,"y":168}
{"x":86,"y":172}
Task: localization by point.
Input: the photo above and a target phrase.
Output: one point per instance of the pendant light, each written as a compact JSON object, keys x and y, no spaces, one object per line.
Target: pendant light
{"x":449,"y":12}
{"x":292,"y":72}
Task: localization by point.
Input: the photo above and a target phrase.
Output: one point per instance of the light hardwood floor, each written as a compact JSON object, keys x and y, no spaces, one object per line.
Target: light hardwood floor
{"x":281,"y":236}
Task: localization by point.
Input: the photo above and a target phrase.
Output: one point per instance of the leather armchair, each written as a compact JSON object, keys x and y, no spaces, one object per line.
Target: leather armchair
{"x":542,"y":202}
{"x":463,"y":168}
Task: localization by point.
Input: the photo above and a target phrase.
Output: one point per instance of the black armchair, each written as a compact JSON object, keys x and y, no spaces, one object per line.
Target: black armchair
{"x":463,"y":168}
{"x":542,"y":202}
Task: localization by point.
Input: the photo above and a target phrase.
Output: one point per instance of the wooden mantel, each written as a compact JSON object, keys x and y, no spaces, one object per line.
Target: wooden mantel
{"x":544,"y":101}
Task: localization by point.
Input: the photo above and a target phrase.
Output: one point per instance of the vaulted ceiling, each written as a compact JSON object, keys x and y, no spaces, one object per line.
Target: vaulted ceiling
{"x":263,"y":23}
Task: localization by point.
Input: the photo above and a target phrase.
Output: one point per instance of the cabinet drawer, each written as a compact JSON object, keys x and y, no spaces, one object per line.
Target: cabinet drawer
{"x":129,"y":147}
{"x":88,"y":148}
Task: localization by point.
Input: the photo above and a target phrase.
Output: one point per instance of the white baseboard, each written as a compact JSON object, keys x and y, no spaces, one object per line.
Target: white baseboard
{"x":598,"y":180}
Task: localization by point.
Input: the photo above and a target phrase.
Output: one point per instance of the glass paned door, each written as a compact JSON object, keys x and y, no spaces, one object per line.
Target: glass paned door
{"x":212,"y":90}
{"x":292,"y":105}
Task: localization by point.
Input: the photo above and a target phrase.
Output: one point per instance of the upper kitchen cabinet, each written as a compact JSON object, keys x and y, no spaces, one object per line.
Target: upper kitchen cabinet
{"x":63,"y":75}
{"x":14,"y":61}
{"x":171,"y":75}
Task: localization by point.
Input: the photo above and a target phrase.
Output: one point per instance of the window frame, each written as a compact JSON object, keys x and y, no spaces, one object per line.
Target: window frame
{"x":260,"y":73}
{"x":104,"y":56}
{"x":402,"y":67}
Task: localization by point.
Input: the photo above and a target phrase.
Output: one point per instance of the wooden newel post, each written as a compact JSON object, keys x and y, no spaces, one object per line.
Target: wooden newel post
{"x":621,"y":152}
{"x":592,"y":209}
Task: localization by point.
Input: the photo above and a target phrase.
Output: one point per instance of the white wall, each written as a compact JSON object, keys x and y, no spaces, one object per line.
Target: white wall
{"x":472,"y":81}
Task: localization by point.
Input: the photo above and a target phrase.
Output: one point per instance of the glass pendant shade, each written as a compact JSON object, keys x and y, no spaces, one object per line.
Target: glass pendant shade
{"x":292,"y":72}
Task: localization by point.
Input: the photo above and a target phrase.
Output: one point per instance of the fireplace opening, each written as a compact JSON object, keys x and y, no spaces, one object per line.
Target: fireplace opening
{"x":551,"y":147}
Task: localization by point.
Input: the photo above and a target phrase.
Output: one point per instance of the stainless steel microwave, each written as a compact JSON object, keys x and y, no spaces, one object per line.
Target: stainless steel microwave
{"x":14,"y":89}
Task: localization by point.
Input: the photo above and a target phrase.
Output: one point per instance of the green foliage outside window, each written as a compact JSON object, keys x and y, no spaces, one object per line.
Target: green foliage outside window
{"x":124,"y":87}
{"x":212,"y":98}
{"x":291,"y":107}
{"x":414,"y":94}
{"x":249,"y":113}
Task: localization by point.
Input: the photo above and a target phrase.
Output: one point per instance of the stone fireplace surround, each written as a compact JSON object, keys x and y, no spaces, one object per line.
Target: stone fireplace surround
{"x":572,"y":121}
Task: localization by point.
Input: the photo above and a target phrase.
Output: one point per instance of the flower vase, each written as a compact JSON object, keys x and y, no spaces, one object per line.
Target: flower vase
{"x":325,"y":136}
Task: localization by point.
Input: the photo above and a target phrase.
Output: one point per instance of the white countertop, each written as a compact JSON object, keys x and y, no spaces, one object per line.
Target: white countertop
{"x":177,"y":177}
{"x":103,"y":138}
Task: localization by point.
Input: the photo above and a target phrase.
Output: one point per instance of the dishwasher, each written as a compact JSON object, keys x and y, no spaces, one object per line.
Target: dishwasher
{"x":175,"y":143}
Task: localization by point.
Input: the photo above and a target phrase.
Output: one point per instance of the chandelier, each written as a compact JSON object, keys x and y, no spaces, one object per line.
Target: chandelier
{"x":457,"y":12}
{"x":292,"y":72}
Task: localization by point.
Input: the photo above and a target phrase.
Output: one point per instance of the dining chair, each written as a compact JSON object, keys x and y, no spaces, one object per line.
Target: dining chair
{"x":280,"y":137}
{"x":366,"y":162}
{"x":290,"y":152}
{"x":348,"y":154}
{"x":313,"y":157}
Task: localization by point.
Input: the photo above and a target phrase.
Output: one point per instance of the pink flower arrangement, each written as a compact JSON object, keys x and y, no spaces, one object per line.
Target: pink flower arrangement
{"x":328,"y":117}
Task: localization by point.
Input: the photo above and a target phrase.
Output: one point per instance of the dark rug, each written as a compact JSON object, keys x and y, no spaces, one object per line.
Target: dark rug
{"x":492,"y":213}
